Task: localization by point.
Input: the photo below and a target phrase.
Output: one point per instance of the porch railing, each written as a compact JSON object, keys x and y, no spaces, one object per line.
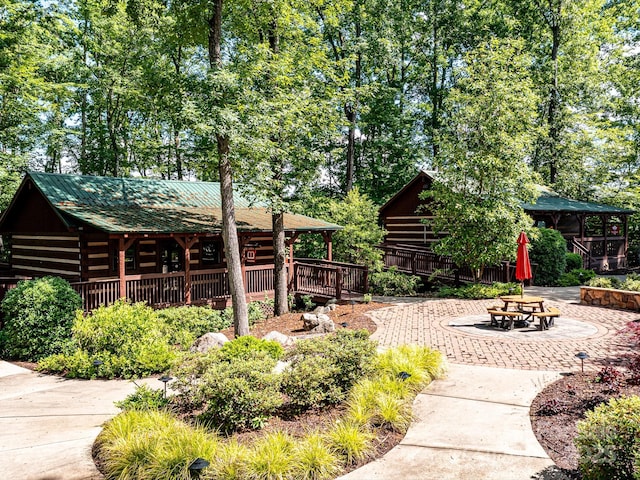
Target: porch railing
{"x":421,"y":261}
{"x":329,"y":279}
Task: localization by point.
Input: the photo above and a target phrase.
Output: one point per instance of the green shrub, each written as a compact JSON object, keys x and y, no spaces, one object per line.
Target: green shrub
{"x":476,"y":291}
{"x":38,"y":317}
{"x":240,"y":394}
{"x":247,"y":346}
{"x":604,"y":282}
{"x":185,"y":324}
{"x":392,"y":282}
{"x":573,"y":261}
{"x":576,"y":277}
{"x":608,"y":440}
{"x":144,"y":398}
{"x":423,"y":365}
{"x":350,"y":351}
{"x":549,"y":251}
{"x":310,"y":382}
{"x":127,"y":339}
{"x":631,"y":283}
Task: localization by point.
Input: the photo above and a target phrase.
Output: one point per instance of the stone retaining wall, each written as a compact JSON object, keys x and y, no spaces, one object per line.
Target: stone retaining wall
{"x":609,"y":297}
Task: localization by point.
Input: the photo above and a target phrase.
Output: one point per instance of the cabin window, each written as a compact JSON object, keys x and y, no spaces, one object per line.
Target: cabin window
{"x":211,"y":253}
{"x":593,"y":227}
{"x":172,"y":256}
{"x":130,"y":259}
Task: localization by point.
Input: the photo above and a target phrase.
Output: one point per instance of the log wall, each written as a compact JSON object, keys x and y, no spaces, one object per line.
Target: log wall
{"x":40,"y":255}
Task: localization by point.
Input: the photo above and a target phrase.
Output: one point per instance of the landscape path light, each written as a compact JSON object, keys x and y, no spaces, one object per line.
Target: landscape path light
{"x":164,"y":379}
{"x":582,"y":356}
{"x":196,"y":467}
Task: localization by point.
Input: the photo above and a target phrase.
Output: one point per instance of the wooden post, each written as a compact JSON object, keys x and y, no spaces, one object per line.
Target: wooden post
{"x":326,"y":236}
{"x":338,"y":283}
{"x":186,"y":244}
{"x":123,"y":246}
{"x":289,"y":242}
{"x":625,"y":221}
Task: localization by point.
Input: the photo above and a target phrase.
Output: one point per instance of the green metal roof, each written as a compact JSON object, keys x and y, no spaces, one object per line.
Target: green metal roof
{"x":125,"y":205}
{"x":549,"y":201}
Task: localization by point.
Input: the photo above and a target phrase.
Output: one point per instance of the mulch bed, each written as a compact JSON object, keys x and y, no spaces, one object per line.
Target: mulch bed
{"x":291,"y":323}
{"x":567,"y":400}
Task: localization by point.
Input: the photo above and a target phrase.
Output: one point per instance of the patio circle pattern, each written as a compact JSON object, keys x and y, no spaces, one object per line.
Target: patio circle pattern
{"x":455,"y":327}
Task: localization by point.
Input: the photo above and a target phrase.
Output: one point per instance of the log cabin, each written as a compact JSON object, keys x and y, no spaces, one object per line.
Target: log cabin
{"x":598,"y":232}
{"x":154,"y":240}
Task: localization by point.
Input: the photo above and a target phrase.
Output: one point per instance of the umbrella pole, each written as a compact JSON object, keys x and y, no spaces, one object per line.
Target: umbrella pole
{"x":522,"y":289}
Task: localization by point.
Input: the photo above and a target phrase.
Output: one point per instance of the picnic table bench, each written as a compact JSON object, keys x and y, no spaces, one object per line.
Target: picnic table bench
{"x":546,"y":317}
{"x":503,"y":318}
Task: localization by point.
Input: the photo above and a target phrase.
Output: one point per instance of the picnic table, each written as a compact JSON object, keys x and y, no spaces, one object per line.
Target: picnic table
{"x":521,"y":309}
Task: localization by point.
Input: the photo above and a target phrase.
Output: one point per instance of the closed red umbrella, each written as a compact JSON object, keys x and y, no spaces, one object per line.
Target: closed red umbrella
{"x":523,"y":265}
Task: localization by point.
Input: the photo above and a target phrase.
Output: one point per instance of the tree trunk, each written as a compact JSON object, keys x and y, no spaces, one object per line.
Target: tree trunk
{"x":553,"y":112}
{"x":229,"y":228}
{"x":281,"y":305}
{"x":231,"y":244}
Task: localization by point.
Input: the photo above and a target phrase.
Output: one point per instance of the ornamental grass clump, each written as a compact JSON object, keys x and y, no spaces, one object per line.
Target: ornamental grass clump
{"x":229,"y":462}
{"x":351,"y":441}
{"x":417,"y":366}
{"x":271,"y":457}
{"x":314,"y":458}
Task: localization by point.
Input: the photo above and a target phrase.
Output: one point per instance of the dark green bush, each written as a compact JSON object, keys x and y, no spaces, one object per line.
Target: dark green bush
{"x":576,"y":277}
{"x":350,"y":351}
{"x":392,"y":282}
{"x":573,"y":261}
{"x":477,"y":291}
{"x":608,"y":441}
{"x":38,"y":317}
{"x":247,"y":346}
{"x":186,"y":324}
{"x":240,"y":394}
{"x":549,"y":251}
{"x":128,"y":339}
{"x":310,"y":382}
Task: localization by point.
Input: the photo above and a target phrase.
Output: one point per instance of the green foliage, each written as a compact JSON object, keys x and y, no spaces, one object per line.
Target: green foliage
{"x":38,"y":317}
{"x":391,"y":282}
{"x":422,"y":364}
{"x":573,"y":261}
{"x":482,"y":176}
{"x":315,"y":459}
{"x":549,"y":251}
{"x":185,"y":324}
{"x":608,"y":440}
{"x":240,"y":394}
{"x":578,"y":276}
{"x":271,"y":457}
{"x":307,"y":302}
{"x":476,"y":291}
{"x":631,"y":283}
{"x":604,"y":282}
{"x":151,"y":444}
{"x":127,"y":339}
{"x":366,"y":298}
{"x":351,"y":353}
{"x":310,"y":381}
{"x":351,"y":441}
{"x":247,"y":346}
{"x":144,"y":398}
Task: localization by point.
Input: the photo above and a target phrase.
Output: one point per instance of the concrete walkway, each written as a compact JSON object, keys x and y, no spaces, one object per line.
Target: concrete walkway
{"x":474,"y":423}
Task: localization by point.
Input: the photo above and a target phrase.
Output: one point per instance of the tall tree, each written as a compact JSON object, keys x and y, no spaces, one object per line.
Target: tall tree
{"x":482,"y":176}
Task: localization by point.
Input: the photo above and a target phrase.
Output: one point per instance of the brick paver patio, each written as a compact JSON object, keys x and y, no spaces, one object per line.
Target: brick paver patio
{"x":459,"y":328}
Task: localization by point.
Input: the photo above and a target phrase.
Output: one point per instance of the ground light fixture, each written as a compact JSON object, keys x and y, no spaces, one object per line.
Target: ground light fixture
{"x":353,"y":306}
{"x":403,"y":375}
{"x":196,"y":467}
{"x":344,"y":324}
{"x":582,"y":356}
{"x":164,"y":379}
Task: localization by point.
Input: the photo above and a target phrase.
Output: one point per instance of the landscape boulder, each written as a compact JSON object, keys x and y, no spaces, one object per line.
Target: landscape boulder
{"x":317,"y":323}
{"x":281,"y":338}
{"x":208,"y":341}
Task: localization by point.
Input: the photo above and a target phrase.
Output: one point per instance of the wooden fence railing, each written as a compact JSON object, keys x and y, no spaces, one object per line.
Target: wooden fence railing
{"x":329,"y":279}
{"x":420,"y":261}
